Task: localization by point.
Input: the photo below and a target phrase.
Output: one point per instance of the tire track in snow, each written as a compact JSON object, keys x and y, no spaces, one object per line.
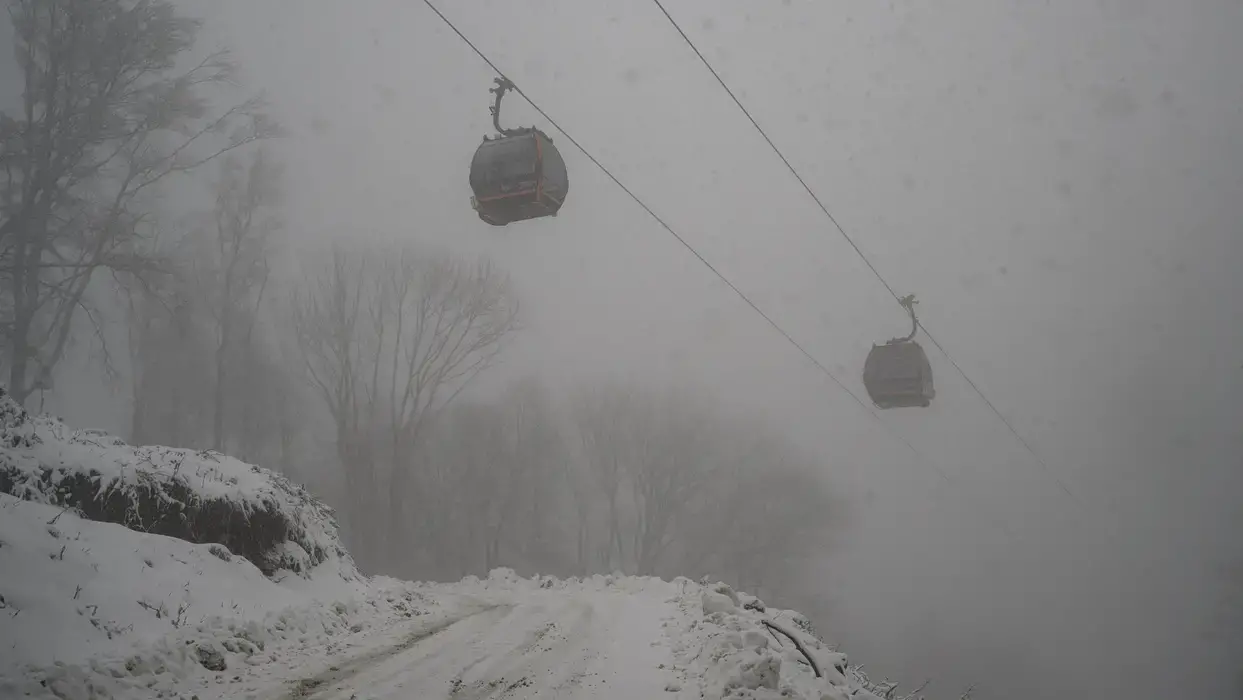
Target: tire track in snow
{"x":314,"y":686}
{"x":393,"y":671}
{"x":601,"y":645}
{"x":549,"y":648}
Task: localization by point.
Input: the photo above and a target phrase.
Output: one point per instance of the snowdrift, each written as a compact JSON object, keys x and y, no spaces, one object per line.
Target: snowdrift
{"x":200,"y":497}
{"x":734,"y":646}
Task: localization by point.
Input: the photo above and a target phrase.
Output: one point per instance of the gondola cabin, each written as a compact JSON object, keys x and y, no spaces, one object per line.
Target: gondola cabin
{"x":898,"y":375}
{"x":517,"y":176}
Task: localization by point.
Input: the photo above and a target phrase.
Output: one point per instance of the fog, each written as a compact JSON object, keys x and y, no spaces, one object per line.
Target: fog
{"x":1060,"y":183}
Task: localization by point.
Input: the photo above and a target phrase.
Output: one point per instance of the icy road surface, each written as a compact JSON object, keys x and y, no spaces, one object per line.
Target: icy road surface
{"x":605,"y":644}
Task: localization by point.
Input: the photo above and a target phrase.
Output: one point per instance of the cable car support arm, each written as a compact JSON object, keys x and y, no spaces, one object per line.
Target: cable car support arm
{"x":503,"y":85}
{"x":908,"y":302}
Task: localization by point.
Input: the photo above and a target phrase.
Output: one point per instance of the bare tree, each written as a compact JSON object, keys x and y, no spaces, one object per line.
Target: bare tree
{"x":447,"y":321}
{"x":489,"y":489}
{"x":600,"y":416}
{"x":754,"y":526}
{"x":170,"y":363}
{"x":104,"y":120}
{"x":662,"y":482}
{"x":530,"y":452}
{"x":389,"y":337}
{"x":294,"y":419}
{"x":232,"y":271}
{"x":476,"y":493}
{"x":680,"y":448}
{"x":686,"y":488}
{"x":652,"y":454}
{"x":326,"y":315}
{"x":460,"y":499}
{"x":578,"y":478}
{"x":263,"y":398}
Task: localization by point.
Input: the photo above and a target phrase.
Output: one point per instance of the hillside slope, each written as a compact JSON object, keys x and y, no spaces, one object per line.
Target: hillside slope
{"x":202,"y":497}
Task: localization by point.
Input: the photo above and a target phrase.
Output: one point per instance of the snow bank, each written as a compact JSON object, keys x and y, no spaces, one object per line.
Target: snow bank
{"x":201,"y":497}
{"x":121,"y":566}
{"x":91,"y":609}
{"x":731,"y":645}
{"x":725,"y":645}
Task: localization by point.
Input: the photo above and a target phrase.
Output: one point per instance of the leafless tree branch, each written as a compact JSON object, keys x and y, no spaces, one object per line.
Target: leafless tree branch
{"x":104,"y":118}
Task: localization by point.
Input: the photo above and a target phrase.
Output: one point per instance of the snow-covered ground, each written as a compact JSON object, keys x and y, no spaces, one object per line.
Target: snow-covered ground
{"x":93,"y":609}
{"x":501,"y":637}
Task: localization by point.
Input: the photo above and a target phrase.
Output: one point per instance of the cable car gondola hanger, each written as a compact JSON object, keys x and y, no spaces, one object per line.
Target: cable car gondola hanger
{"x":898,"y":374}
{"x":517,"y":174}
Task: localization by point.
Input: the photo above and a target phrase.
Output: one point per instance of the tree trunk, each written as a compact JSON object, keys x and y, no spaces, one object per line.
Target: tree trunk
{"x":399,"y":492}
{"x":17,"y":369}
{"x":218,"y":438}
{"x":357,"y":463}
{"x":615,"y":536}
{"x":286,"y":456}
{"x":137,"y":427}
{"x":25,"y":299}
{"x":492,"y":552}
{"x":581,"y":549}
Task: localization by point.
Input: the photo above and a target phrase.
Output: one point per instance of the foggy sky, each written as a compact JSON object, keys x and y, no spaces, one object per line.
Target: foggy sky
{"x":1060,"y":183}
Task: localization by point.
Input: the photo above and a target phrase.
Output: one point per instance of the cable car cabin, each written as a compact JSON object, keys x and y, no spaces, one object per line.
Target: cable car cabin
{"x":898,"y":375}
{"x":516,"y":177}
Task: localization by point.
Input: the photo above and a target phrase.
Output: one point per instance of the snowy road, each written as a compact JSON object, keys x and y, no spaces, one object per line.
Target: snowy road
{"x":598,"y":645}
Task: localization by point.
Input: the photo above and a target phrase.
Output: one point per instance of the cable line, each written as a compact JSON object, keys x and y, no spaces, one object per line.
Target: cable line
{"x":975,"y":387}
{"x":789,"y":338}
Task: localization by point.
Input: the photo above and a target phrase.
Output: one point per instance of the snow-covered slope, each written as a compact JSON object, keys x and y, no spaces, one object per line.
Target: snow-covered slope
{"x":92,"y":609}
{"x":195,"y":496}
{"x":85,"y":605}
